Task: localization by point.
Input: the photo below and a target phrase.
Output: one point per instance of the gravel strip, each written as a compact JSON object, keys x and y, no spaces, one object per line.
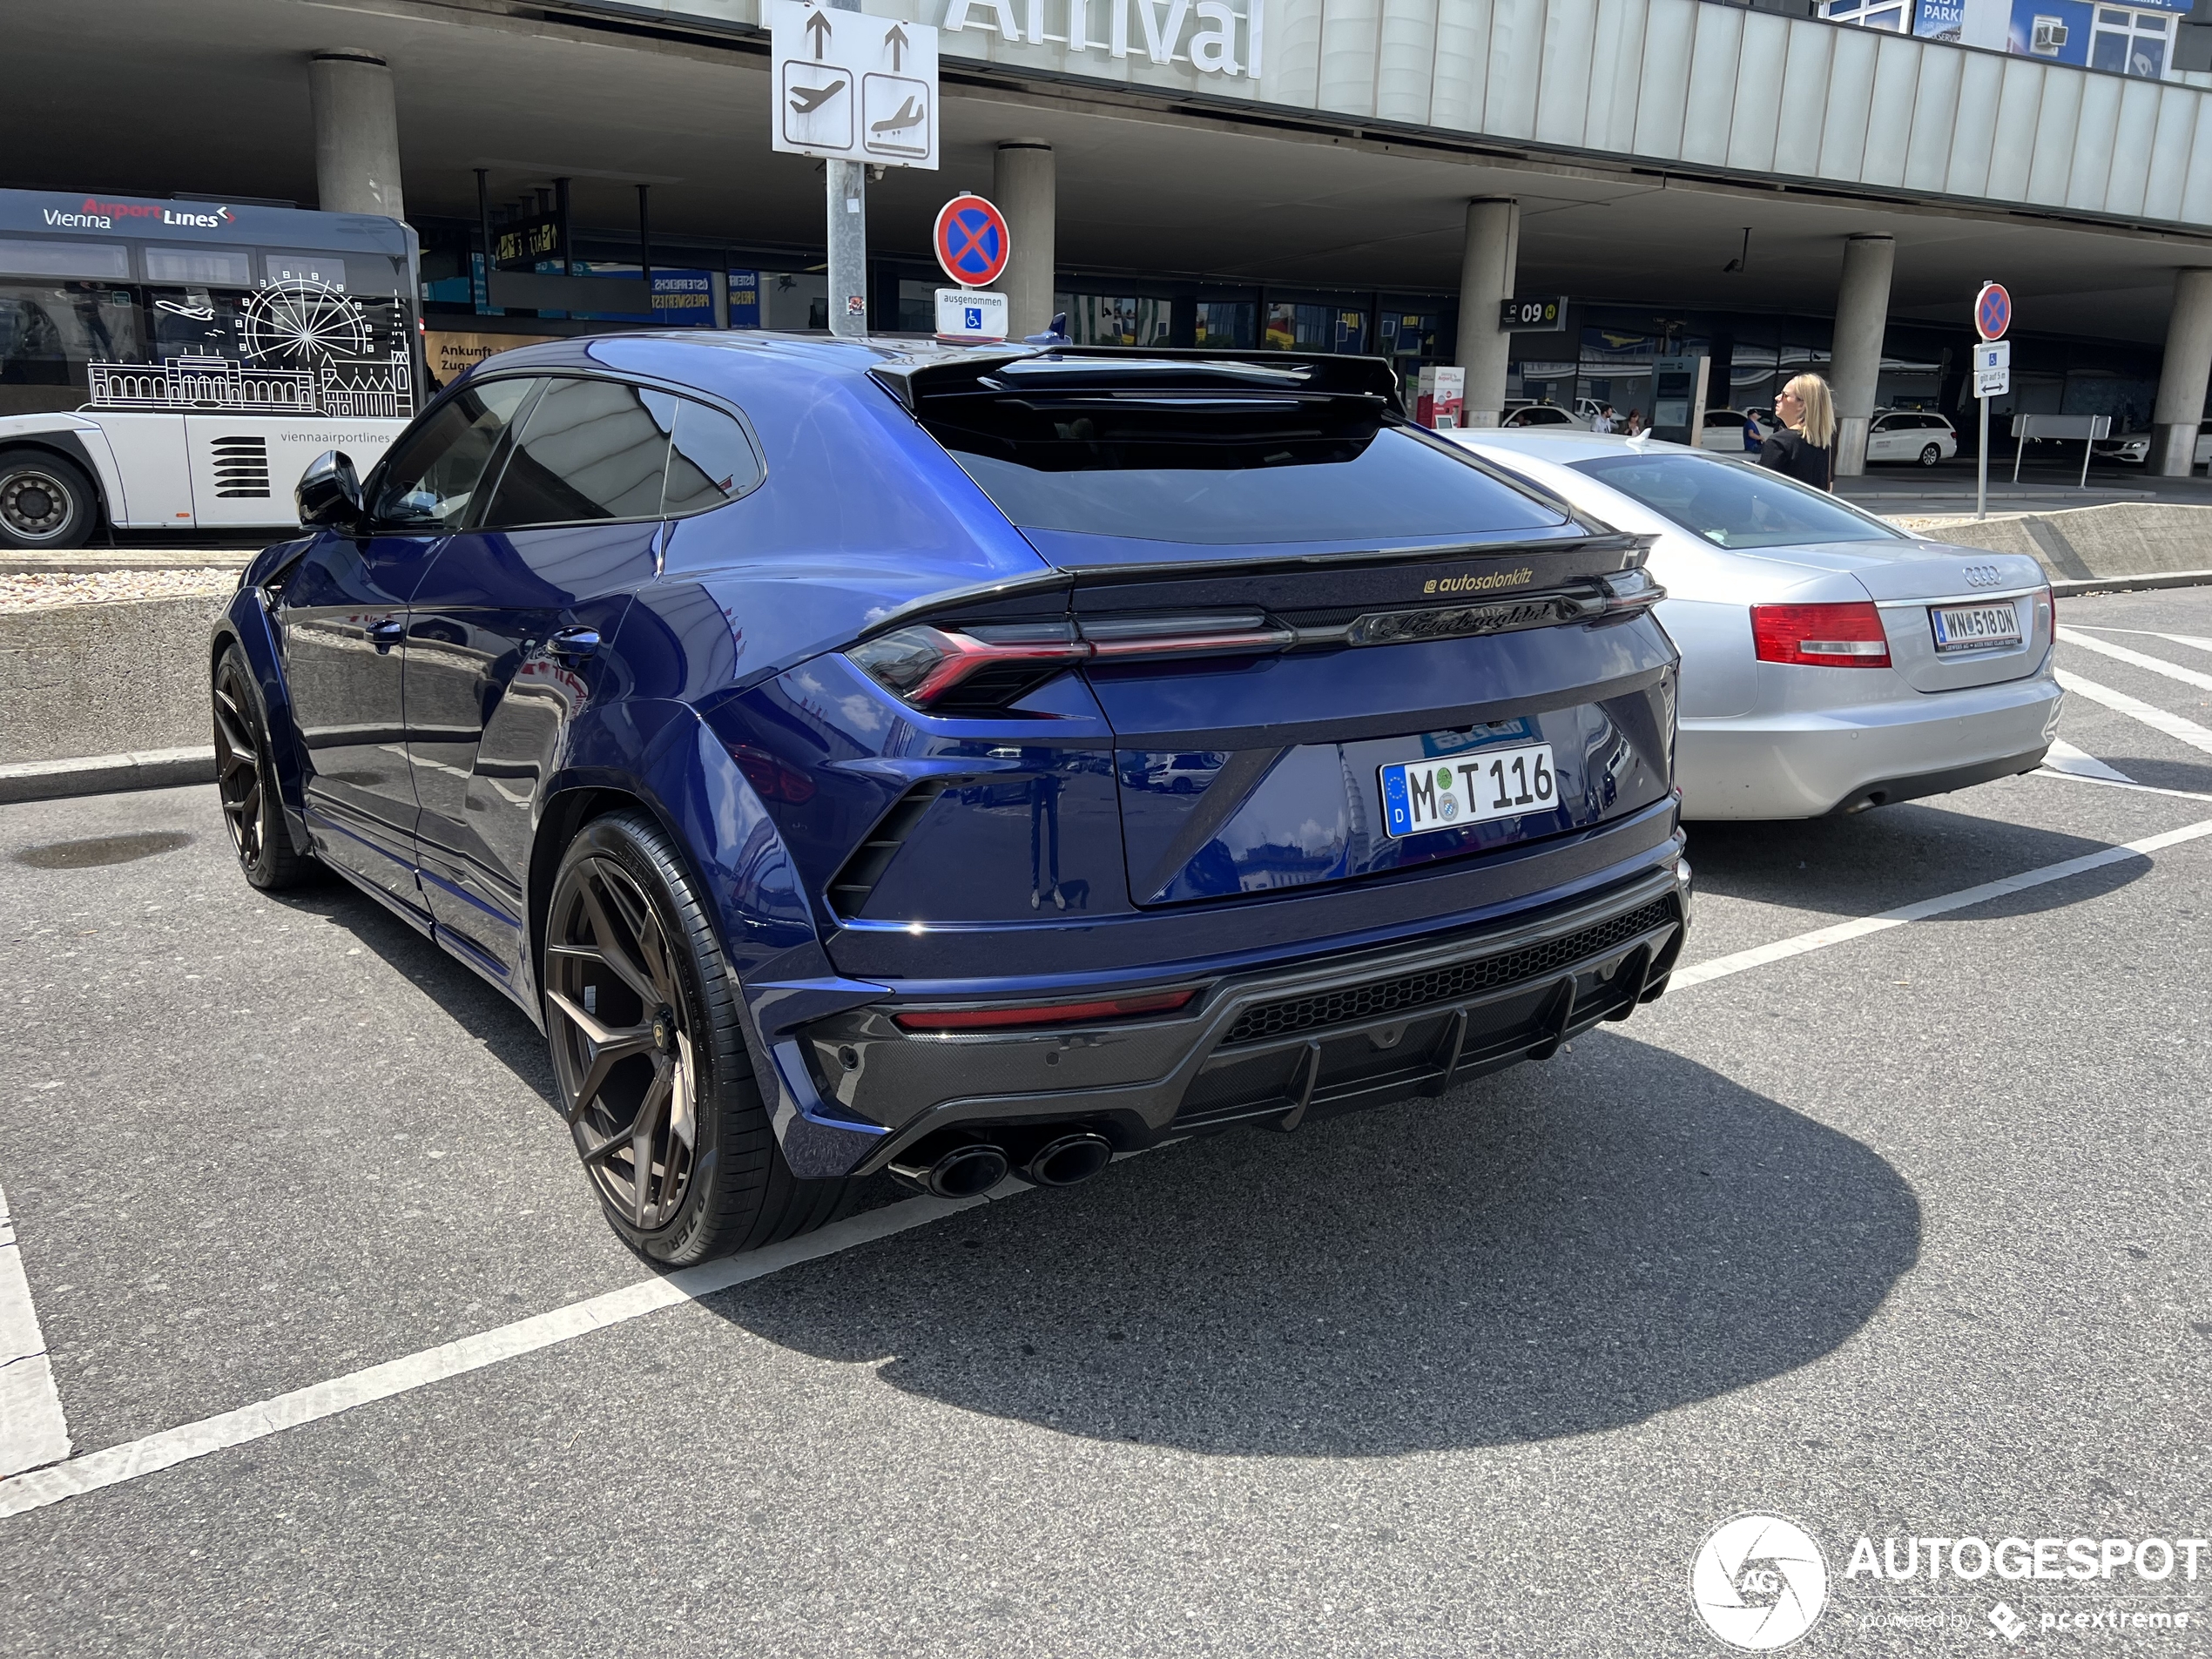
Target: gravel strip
{"x":40,"y":591}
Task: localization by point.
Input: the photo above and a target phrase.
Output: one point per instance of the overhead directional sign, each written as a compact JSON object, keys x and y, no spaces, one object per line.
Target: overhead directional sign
{"x":852,"y":87}
{"x":1992,"y":311}
{"x":971,"y":242}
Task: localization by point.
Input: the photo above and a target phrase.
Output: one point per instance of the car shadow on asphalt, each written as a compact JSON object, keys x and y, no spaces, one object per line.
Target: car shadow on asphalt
{"x":1893,"y":855}
{"x":1557,"y":1250}
{"x":476,"y":1007}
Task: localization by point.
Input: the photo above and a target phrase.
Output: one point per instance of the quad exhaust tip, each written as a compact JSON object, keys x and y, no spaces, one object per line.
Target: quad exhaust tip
{"x":1069,"y":1159}
{"x":964,"y":1172}
{"x":974,"y":1167}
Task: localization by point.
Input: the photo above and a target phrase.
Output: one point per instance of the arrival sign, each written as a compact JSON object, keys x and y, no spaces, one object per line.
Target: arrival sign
{"x":850,"y":87}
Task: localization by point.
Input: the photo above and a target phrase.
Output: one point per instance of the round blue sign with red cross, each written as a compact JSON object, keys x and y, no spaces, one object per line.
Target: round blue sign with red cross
{"x":971,"y":242}
{"x":1992,"y":311}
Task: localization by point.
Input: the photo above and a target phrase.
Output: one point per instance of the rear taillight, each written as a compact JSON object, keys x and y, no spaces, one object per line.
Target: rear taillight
{"x":1010,"y":1019}
{"x":1835,"y":635}
{"x":977,"y":669}
{"x":1633,"y":590}
{"x":2049,"y":600}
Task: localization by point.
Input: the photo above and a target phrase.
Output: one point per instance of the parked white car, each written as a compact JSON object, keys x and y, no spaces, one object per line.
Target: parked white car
{"x":1723,"y":429}
{"x":1909,"y":434}
{"x":1520,"y":415}
{"x":1831,"y":661}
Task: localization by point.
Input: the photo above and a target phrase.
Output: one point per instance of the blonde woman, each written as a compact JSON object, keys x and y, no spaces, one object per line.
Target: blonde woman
{"x":1804,"y":449}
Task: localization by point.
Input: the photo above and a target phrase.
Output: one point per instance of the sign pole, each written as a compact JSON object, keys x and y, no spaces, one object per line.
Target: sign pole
{"x":1992,"y":378}
{"x":1981,"y":460}
{"x":847,"y":187}
{"x":856,"y":92}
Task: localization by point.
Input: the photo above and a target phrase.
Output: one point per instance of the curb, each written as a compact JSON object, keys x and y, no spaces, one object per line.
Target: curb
{"x":2127,"y":583}
{"x":105,"y":774}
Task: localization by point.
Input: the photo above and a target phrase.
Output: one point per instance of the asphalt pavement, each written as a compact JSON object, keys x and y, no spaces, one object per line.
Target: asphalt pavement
{"x":1894,"y":1230}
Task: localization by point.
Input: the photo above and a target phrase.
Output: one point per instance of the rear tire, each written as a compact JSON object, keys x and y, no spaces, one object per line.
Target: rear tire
{"x":246,"y":780}
{"x":46,"y":503}
{"x":648,"y":1050}
{"x":1930,"y":456}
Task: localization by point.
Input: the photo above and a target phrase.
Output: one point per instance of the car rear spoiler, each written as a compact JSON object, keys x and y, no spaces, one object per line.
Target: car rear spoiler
{"x":1124,"y":368}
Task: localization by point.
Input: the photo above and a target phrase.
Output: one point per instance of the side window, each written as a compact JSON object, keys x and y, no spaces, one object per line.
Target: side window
{"x":711,"y":461}
{"x":590,"y":449}
{"x":431,"y":474}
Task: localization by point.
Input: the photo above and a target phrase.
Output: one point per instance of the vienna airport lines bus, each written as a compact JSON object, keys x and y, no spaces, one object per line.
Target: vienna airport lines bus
{"x":177,"y":364}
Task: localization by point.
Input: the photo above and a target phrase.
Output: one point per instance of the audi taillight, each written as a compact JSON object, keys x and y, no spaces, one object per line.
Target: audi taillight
{"x":1830,"y":635}
{"x":1042,"y":1013}
{"x":985,"y":667}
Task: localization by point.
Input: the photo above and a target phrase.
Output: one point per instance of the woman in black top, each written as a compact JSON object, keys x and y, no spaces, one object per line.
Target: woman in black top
{"x":1804,"y":449}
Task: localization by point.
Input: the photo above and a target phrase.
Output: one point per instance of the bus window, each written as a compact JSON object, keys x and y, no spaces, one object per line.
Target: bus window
{"x":225,"y":266}
{"x":51,"y":331}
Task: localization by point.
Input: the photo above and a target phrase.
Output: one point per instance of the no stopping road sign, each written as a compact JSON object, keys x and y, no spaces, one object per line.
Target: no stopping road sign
{"x":1992,"y":311}
{"x":971,"y":242}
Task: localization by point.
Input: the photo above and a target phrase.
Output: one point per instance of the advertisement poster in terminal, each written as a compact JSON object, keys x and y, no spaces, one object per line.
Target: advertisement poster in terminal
{"x":2136,"y":39}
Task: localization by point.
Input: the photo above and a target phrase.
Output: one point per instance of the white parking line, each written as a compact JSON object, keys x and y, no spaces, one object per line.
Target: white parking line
{"x":1859,"y":927}
{"x":95,"y":1471}
{"x":33,"y":1429}
{"x":2064,"y":757}
{"x":318,"y":1400}
{"x":2195,"y":641}
{"x":2135,"y":658}
{"x":2150,"y":714}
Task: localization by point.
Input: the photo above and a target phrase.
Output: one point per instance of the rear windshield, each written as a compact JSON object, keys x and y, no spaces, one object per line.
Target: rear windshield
{"x":1733,"y":503}
{"x":1208,"y":468}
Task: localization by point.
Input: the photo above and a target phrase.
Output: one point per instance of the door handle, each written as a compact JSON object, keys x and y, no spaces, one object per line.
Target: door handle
{"x":386,"y":634}
{"x":573,"y":643}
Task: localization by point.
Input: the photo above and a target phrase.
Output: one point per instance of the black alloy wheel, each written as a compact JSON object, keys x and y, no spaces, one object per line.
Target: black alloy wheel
{"x":46,"y":502}
{"x":246,"y":780}
{"x":1930,"y":456}
{"x":649,"y":1053}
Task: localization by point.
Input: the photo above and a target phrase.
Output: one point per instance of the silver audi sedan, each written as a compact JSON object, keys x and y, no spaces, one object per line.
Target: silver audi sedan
{"x":1831,"y":661}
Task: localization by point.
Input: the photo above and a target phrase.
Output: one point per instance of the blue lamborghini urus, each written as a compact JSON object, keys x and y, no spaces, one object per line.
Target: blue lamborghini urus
{"x":866,"y":755}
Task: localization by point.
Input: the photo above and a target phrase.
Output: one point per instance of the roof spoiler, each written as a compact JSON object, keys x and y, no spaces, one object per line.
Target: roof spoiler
{"x":1144,"y":368}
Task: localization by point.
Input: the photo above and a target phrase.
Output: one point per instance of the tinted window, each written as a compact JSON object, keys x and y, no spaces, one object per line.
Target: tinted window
{"x":590,"y":450}
{"x":1206,"y":469}
{"x":431,"y":476}
{"x":710,"y":462}
{"x":1733,"y":503}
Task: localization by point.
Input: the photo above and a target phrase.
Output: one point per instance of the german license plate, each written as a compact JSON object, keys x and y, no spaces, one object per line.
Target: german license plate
{"x":1975,"y":627}
{"x":1420,"y":796}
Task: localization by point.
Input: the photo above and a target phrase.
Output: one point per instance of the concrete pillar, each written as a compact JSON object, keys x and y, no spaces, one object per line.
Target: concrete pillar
{"x":2182,"y":378}
{"x":1488,"y":267}
{"x":357,"y":133}
{"x":1025,"y":188}
{"x":1862,"y":318}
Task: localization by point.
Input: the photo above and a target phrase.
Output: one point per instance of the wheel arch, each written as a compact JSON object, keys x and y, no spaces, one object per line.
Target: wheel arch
{"x":246,"y":623}
{"x":70,"y":446}
{"x":689,"y":784}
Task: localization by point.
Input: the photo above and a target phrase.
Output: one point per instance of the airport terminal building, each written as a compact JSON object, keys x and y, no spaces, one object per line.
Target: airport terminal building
{"x":1793,"y":184}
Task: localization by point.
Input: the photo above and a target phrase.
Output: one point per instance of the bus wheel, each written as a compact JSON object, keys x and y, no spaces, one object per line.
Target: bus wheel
{"x":44,"y":500}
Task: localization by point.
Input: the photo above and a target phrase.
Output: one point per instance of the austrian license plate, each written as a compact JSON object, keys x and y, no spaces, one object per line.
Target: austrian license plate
{"x":1975,"y":627}
{"x":1420,"y":796}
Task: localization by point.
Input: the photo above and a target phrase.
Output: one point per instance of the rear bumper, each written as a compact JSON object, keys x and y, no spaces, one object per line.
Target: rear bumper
{"x":1296,"y":1040}
{"x":1803,"y":765}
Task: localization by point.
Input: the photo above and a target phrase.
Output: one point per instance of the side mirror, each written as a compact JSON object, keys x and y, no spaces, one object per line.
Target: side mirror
{"x":329,"y":493}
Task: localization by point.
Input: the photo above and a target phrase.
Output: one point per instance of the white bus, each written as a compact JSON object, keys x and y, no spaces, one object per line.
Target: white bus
{"x":175,"y":364}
